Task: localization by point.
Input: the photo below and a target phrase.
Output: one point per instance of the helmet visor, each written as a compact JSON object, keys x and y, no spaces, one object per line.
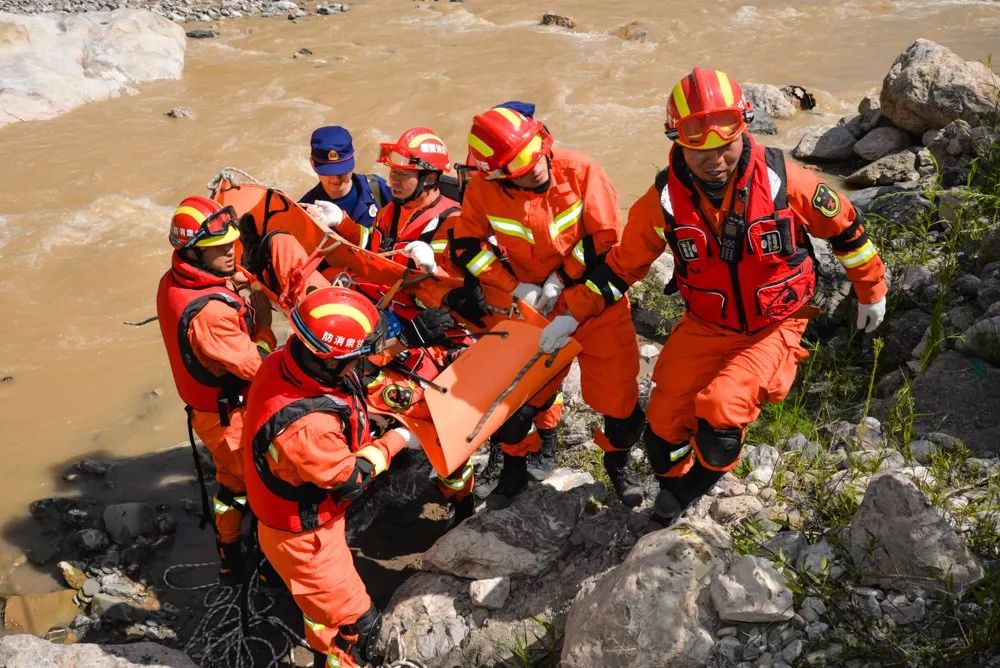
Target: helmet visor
{"x":695,"y":130}
{"x":373,"y":344}
{"x":522,"y":162}
{"x":219,"y":228}
{"x":389,"y":154}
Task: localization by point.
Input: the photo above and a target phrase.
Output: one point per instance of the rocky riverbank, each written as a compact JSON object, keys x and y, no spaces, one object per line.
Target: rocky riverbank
{"x":861,"y":529}
{"x":180,"y":11}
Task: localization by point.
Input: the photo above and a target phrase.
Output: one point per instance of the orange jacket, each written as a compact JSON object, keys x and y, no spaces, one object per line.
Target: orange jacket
{"x":817,"y":208}
{"x":221,"y":345}
{"x":566,"y":228}
{"x":428,"y":218}
{"x":283,"y":253}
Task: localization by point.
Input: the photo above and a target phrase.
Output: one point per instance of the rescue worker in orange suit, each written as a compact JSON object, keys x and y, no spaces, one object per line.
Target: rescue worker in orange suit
{"x":555,"y":213}
{"x":735,"y":216}
{"x":415,"y":223}
{"x":308,"y":453}
{"x":215,"y":342}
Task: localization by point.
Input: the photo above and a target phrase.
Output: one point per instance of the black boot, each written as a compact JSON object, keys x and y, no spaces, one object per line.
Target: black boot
{"x":625,"y":484}
{"x":513,"y":479}
{"x":460,"y":510}
{"x":666,"y":507}
{"x":489,"y":475}
{"x":542,"y":464}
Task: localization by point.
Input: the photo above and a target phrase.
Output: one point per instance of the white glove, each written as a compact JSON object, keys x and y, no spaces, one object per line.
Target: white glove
{"x":327,"y":214}
{"x":422,"y":255}
{"x":870,"y":316}
{"x":556,"y":334}
{"x":410,"y":440}
{"x":528,"y":293}
{"x":551,"y":290}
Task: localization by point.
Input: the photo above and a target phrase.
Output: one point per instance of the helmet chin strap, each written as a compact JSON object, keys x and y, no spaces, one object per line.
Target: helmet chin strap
{"x":418,"y":191}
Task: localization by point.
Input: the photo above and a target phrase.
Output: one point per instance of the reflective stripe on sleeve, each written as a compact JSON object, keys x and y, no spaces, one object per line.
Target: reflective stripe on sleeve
{"x":564,"y":220}
{"x":375,"y":456}
{"x":858,"y":257}
{"x":511,"y":228}
{"x":478,"y":264}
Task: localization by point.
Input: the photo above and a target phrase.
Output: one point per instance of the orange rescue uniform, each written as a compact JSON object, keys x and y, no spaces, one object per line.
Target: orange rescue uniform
{"x":565,"y":229}
{"x":710,"y":378}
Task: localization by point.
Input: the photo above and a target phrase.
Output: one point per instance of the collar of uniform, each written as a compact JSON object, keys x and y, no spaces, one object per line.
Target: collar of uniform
{"x":192,"y":276}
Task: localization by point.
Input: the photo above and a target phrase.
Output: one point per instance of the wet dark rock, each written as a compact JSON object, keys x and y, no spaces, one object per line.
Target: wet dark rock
{"x":7,"y":379}
{"x":825,"y":143}
{"x":111,"y":608}
{"x":800,"y":97}
{"x":202,"y":34}
{"x":127,"y":521}
{"x":181,"y":112}
{"x":91,"y":541}
{"x":769,"y":100}
{"x":166,"y":524}
{"x":633,"y":32}
{"x":552,"y":19}
{"x":43,"y":552}
{"x":763,"y":124}
{"x":896,"y":167}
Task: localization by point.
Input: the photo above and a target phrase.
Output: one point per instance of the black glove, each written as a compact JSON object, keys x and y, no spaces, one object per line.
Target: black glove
{"x":469,"y":301}
{"x":428,"y":328}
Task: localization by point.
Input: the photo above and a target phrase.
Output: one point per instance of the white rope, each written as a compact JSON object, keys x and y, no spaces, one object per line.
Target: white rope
{"x":229,"y":173}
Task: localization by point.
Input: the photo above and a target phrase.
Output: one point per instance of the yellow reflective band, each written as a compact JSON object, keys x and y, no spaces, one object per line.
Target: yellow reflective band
{"x":593,"y":287}
{"x":511,"y":228}
{"x":512,"y":116}
{"x":315,"y":627}
{"x":264,"y":346}
{"x":419,"y":139}
{"x":858,"y":257}
{"x":677,"y":454}
{"x":565,"y":220}
{"x":479,"y":146}
{"x":333,"y":662}
{"x":725,"y":87}
{"x":363,"y":235}
{"x":376,"y":380}
{"x":220,"y":507}
{"x":273,"y":451}
{"x":347,"y":310}
{"x":198,"y":216}
{"x":478,"y":264}
{"x":459,"y":481}
{"x":439,"y":246}
{"x":375,"y":456}
{"x":660,"y":232}
{"x":680,"y":101}
{"x":560,"y":399}
{"x":615,"y":291}
{"x":578,"y":253}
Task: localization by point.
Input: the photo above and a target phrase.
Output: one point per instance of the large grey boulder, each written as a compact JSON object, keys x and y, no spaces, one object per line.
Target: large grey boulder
{"x":982,"y":339}
{"x":523,"y":539}
{"x":896,"y":167}
{"x":882,"y":141}
{"x":769,"y":99}
{"x":824,"y":143}
{"x":26,"y":651}
{"x":929,"y":86}
{"x":897,"y":539}
{"x":53,"y":62}
{"x":653,"y":609}
{"x":429,"y":614}
{"x":752,"y":590}
{"x":127,"y":521}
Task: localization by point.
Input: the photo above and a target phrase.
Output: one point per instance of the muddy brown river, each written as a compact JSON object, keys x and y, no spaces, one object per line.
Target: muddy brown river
{"x":84,"y":198}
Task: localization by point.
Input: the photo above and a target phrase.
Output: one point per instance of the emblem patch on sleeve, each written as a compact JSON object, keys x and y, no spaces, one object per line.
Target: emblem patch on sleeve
{"x":826,"y":201}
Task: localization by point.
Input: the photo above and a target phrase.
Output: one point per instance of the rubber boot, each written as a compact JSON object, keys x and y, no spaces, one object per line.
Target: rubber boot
{"x":231,"y":567}
{"x":666,"y":507}
{"x":542,"y":464}
{"x":460,"y":510}
{"x":625,"y":484}
{"x":513,"y":479}
{"x":488,"y":477}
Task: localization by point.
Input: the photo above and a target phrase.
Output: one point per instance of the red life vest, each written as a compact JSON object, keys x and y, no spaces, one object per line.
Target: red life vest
{"x":182,"y":293}
{"x":281,"y":394}
{"x":421,"y":226}
{"x":773,"y":276}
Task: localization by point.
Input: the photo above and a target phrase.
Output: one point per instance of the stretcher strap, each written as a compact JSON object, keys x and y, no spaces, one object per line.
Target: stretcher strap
{"x":206,"y":514}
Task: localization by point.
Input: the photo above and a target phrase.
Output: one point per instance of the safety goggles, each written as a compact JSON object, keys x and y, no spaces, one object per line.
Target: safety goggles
{"x":216,"y":225}
{"x":389,"y":154}
{"x":694,"y":131}
{"x":522,"y":162}
{"x":373,"y":344}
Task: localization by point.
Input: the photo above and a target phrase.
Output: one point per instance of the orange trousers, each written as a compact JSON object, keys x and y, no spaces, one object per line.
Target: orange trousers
{"x":609,"y":361}
{"x":318,"y":569}
{"x":224,"y":445}
{"x":709,"y":373}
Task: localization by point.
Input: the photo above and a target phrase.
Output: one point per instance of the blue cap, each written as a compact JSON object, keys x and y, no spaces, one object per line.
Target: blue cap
{"x":526,"y":109}
{"x":332,"y":151}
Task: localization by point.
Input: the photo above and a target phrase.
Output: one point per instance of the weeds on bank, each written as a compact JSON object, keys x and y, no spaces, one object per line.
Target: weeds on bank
{"x":541,"y":650}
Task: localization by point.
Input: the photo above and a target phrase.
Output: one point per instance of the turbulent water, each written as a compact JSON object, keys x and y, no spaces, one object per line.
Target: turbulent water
{"x":84,"y":198}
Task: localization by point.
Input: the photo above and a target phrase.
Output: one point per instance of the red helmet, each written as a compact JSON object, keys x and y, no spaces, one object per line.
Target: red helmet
{"x":338,"y":323}
{"x":505,"y":144}
{"x":199,"y":221}
{"x":417,"y":148}
{"x":707,"y":110}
